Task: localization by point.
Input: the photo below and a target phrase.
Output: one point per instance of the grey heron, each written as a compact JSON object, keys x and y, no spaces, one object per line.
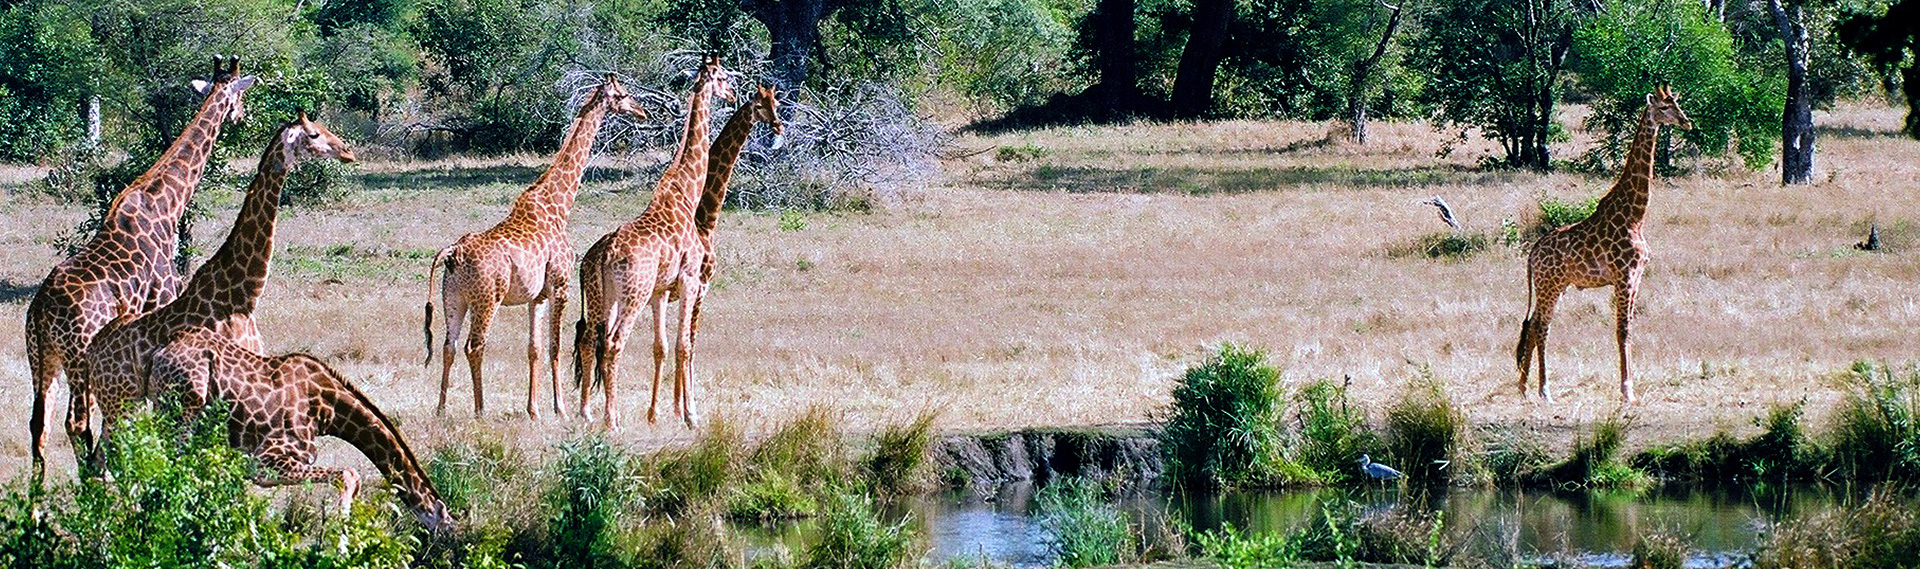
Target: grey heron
{"x":1376,"y":470}
{"x":1446,"y":213}
{"x":1873,"y":239}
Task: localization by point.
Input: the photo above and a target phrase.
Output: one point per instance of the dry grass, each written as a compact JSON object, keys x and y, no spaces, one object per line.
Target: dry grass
{"x":1069,"y":286}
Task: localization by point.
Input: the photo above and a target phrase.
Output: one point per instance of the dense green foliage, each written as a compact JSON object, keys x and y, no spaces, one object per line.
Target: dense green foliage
{"x":1086,"y":529}
{"x":1223,"y":425}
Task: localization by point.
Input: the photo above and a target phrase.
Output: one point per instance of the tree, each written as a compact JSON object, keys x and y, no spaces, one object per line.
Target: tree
{"x":1200,"y":61}
{"x":1796,"y":118}
{"x":1363,"y":71}
{"x":1623,"y":53}
{"x":1492,"y":66}
{"x":46,"y":78}
{"x":1892,"y":41}
{"x":1111,"y":29}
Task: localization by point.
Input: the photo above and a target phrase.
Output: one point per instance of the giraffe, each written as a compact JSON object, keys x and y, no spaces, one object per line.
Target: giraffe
{"x":277,"y":406}
{"x":522,"y":260}
{"x":223,"y":292}
{"x":127,"y":268}
{"x":650,"y":259}
{"x":1606,"y":249}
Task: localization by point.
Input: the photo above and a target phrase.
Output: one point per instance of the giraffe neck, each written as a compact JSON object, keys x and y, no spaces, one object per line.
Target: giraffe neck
{"x":169,"y":184}
{"x":1629,"y":193}
{"x":690,"y":163}
{"x":551,"y":198}
{"x":347,"y":414}
{"x":230,"y":282}
{"x":720,"y":160}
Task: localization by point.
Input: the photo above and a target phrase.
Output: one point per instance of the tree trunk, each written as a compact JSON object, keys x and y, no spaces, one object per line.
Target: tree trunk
{"x":1114,"y":55}
{"x":1363,"y":78}
{"x":93,"y":121}
{"x":1796,"y":121}
{"x":793,"y":26}
{"x":1910,"y":86}
{"x":1200,"y":62}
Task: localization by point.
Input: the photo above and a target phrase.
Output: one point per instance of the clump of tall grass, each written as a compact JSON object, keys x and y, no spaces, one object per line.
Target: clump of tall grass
{"x":1659,"y":551}
{"x":901,"y":460}
{"x":1343,"y":532}
{"x":787,"y":472}
{"x":1086,"y":530}
{"x":1233,"y":549}
{"x":1511,"y":457}
{"x":1425,"y":432}
{"x":688,"y":477}
{"x":695,"y":539}
{"x":482,"y":471}
{"x":1883,"y":531}
{"x":1223,"y":425}
{"x":1874,"y":433}
{"x":591,"y":490}
{"x":1333,"y":434}
{"x":852,"y":536}
{"x":1443,"y":245}
{"x":1595,"y":462}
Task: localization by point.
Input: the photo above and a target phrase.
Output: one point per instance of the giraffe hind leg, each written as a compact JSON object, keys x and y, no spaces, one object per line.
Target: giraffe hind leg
{"x":477,"y":326}
{"x":454,"y":315}
{"x":1623,"y":323}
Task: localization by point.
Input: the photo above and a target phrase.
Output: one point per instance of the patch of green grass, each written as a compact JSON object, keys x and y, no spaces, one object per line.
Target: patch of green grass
{"x":478,"y":474}
{"x":1086,"y":530}
{"x":1333,"y":433}
{"x":1595,"y":462}
{"x":697,"y":474}
{"x":793,"y":221}
{"x":852,"y":536}
{"x":1021,"y":153}
{"x":1444,"y":246}
{"x":1223,"y":425}
{"x":770,"y":496}
{"x":1233,"y":549}
{"x":1780,"y":453}
{"x":590,"y":492}
{"x":900,"y":462}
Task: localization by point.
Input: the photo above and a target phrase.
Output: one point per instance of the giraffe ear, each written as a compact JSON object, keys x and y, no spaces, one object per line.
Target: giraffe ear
{"x":243,"y":83}
{"x":200,"y":86}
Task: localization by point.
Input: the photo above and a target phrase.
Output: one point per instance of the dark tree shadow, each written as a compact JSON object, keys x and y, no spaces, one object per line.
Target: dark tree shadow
{"x":1212,"y":181}
{"x":12,"y":292}
{"x":1856,"y":132}
{"x":1070,"y":110}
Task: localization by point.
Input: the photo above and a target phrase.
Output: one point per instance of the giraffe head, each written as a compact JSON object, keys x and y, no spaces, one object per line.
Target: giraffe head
{"x":304,"y":139}
{"x":766,"y":108}
{"x":711,"y":73}
{"x":226,"y":84}
{"x":616,"y":98}
{"x":1665,"y":108}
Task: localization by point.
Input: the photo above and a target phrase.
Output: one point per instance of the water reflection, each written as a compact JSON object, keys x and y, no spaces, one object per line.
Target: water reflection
{"x":1595,"y":528}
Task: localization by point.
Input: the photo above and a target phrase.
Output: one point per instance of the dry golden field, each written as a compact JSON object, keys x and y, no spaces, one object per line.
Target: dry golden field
{"x":1068,"y":281}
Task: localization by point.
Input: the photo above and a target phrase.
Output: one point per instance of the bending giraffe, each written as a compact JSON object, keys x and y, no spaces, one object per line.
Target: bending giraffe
{"x":1605,"y":249}
{"x":127,"y":268}
{"x":224,"y":291}
{"x":277,"y":407}
{"x":524,"y":259}
{"x":648,"y":260}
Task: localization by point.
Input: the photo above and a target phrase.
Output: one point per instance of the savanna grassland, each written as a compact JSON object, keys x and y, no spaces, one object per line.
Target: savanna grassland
{"x":1064,"y":276}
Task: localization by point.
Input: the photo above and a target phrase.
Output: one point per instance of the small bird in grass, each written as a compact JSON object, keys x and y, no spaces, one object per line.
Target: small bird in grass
{"x":1446,"y":213}
{"x":1376,"y":470}
{"x":1873,"y":239}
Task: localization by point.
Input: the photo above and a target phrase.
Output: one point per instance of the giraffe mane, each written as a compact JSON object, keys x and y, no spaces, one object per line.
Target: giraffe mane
{"x":387,"y":424}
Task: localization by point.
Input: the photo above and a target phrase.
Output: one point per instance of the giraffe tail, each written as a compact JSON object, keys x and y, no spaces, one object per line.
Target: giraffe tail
{"x":426,"y":324}
{"x":1523,"y":351}
{"x":584,"y":361}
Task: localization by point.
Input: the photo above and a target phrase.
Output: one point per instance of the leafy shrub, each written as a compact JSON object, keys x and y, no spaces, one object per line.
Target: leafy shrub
{"x":590,"y":491}
{"x":852,"y":536}
{"x":900,"y":461}
{"x":1333,"y":434}
{"x":317,"y":183}
{"x":1424,"y":431}
{"x":1555,"y":214}
{"x":1443,"y":245}
{"x":1235,"y":550}
{"x":1223,"y":425}
{"x":1085,"y":530}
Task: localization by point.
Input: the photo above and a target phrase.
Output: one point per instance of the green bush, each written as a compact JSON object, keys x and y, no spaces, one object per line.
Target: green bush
{"x":1443,"y":245}
{"x":1780,"y":453}
{"x":478,"y":475}
{"x":590,"y":492}
{"x":1595,"y":462}
{"x":1086,"y":530}
{"x":900,"y":462}
{"x":769,"y":496}
{"x":1223,"y":425}
{"x":1423,"y":433}
{"x":1333,"y":434}
{"x":1555,"y":214}
{"x":1235,"y":550}
{"x":317,"y":183}
{"x":181,"y":497}
{"x":852,"y":536}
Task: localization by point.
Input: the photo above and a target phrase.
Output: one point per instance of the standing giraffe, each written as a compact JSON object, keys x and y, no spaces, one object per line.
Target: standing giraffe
{"x":1605,"y":249}
{"x":650,"y":259}
{"x":127,"y":268}
{"x":522,"y":260}
{"x":223,"y":292}
{"x":277,"y":406}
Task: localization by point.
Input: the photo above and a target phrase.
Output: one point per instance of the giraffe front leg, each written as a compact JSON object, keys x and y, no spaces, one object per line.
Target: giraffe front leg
{"x":1545,"y":300}
{"x":286,"y":464}
{"x":1623,"y":323}
{"x":615,"y":333}
{"x":556,"y":312}
{"x":690,"y":297}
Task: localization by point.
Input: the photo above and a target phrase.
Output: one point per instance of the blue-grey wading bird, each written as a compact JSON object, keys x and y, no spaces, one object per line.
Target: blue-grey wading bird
{"x":1377,"y":470}
{"x":1446,"y":213}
